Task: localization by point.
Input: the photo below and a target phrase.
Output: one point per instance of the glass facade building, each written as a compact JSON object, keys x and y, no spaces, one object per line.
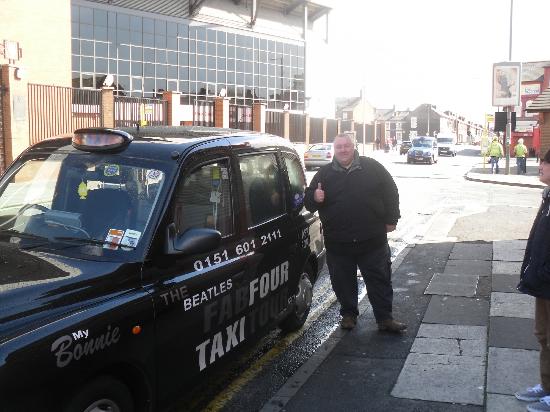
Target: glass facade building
{"x":147,"y":55}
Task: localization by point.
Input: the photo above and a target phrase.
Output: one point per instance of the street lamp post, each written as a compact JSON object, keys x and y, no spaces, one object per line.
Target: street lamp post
{"x":509,"y":109}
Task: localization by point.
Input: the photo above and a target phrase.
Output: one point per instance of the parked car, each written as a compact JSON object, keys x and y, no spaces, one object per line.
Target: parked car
{"x":405,"y":146}
{"x":446,"y":145}
{"x":423,"y":149}
{"x":134,"y":263}
{"x":318,"y":155}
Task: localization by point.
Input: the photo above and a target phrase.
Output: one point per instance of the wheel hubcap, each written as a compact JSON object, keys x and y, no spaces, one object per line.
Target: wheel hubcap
{"x":103,"y":405}
{"x":304,"y":295}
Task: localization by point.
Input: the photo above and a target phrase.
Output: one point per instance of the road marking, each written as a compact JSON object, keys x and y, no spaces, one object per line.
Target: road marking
{"x":237,"y":384}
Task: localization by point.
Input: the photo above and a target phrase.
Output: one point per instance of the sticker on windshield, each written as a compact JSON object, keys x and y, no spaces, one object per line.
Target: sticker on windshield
{"x":82,"y":190}
{"x":215,"y":197}
{"x":225,"y":175}
{"x":131,"y":238}
{"x":113,"y":239}
{"x":111,"y":170}
{"x":153,"y":174}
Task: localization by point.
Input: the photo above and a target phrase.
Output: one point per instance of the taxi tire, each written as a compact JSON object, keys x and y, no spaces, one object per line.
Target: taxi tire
{"x":103,"y":390}
{"x":295,"y":320}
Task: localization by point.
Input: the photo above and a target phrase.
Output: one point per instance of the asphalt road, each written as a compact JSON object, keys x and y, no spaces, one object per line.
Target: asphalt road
{"x":437,"y":205}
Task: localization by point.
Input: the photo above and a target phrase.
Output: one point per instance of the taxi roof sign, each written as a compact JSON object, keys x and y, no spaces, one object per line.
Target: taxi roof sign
{"x":100,"y":139}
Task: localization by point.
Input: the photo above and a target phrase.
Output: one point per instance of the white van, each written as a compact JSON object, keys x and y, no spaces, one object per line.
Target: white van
{"x":446,"y":144}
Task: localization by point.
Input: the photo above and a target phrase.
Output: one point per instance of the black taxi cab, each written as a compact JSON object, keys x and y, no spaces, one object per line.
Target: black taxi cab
{"x":134,"y":261}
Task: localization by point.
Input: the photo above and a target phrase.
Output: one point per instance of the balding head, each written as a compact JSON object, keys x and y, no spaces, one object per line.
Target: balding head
{"x":344,"y":149}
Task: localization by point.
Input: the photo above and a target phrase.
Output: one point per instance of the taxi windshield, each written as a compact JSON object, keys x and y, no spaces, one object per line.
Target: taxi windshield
{"x":422,"y":143}
{"x":80,"y":198}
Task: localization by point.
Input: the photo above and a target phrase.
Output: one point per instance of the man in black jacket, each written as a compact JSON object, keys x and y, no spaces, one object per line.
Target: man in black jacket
{"x":535,"y":281}
{"x":358,"y":204}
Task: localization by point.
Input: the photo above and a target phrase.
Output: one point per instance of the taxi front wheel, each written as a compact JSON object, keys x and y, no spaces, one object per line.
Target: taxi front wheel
{"x":102,"y":394}
{"x":302,"y":303}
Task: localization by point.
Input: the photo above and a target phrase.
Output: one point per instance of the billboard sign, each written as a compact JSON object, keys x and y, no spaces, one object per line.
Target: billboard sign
{"x":506,"y":84}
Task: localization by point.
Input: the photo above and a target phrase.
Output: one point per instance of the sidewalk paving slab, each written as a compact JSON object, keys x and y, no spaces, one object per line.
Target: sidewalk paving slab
{"x":504,"y":403}
{"x":452,"y":285}
{"x":468,"y":267}
{"x":522,"y":337}
{"x":510,"y":370}
{"x":506,"y":268}
{"x":450,"y":310}
{"x":513,"y":305}
{"x":509,"y":250}
{"x":442,"y":378}
{"x":472,"y":251}
{"x":504,"y":283}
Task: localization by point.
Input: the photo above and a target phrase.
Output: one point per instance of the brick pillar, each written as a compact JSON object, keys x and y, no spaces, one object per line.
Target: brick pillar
{"x":307,"y":128}
{"x":258,"y":117}
{"x":173,"y":104}
{"x":14,"y":112}
{"x":107,"y":107}
{"x":286,"y":125}
{"x":221,"y":112}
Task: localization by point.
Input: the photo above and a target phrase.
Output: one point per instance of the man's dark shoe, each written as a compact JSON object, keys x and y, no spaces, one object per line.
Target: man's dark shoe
{"x":392,"y":326}
{"x":348,"y":322}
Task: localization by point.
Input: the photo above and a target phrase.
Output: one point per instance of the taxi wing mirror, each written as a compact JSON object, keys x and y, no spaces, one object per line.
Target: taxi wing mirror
{"x":194,"y":240}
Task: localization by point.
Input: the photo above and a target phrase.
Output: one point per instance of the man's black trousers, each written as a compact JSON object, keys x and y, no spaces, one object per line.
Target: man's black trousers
{"x":375,"y":267}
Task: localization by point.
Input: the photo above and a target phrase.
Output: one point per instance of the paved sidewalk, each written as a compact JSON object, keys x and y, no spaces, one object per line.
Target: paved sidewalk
{"x":469,"y":345}
{"x":482,"y":173}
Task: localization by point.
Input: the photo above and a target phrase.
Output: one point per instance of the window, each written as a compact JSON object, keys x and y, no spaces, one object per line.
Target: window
{"x":296,"y":179}
{"x":262,"y":187}
{"x":203,"y":199}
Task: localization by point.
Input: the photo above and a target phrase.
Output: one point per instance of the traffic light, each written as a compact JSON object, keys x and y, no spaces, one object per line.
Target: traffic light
{"x":500,"y":121}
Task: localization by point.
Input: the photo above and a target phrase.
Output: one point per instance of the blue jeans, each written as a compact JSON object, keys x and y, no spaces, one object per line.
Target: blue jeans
{"x":521,"y":164}
{"x":375,"y":268}
{"x":494,"y":163}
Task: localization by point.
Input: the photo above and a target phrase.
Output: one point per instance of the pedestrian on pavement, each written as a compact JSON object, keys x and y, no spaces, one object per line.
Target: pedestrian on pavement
{"x":495,"y":151}
{"x":520,"y":152}
{"x":358,"y":203}
{"x":535,"y":281}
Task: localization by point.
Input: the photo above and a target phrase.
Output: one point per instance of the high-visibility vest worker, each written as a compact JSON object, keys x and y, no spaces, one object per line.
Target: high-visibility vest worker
{"x":495,"y":149}
{"x":520,"y":150}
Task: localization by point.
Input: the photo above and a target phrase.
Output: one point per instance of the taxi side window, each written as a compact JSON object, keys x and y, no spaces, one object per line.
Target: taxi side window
{"x":296,"y":179}
{"x":203,"y":199}
{"x":262,"y":187}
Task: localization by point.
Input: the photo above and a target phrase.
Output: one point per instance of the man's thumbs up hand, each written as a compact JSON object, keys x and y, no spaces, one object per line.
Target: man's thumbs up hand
{"x":319,"y":194}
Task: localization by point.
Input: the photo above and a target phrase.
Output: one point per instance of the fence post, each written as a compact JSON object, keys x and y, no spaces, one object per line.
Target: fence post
{"x":286,"y":125}
{"x":338,"y":126}
{"x":324,"y":129}
{"x":107,"y":107}
{"x":221,"y":112}
{"x":258,"y":117}
{"x":172,"y":105}
{"x":307,"y":129}
{"x":15,"y":112}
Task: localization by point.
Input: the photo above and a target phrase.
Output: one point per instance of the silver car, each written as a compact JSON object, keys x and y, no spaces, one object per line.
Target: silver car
{"x":318,"y":155}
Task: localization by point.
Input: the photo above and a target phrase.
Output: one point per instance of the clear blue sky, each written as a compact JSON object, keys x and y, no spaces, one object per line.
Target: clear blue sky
{"x":409,"y":52}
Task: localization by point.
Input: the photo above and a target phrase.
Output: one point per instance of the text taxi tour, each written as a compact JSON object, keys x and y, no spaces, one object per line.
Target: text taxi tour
{"x":132,"y":261}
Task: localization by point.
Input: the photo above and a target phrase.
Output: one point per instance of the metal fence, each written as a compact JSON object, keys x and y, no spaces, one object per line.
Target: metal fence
{"x":240,"y":117}
{"x":332,"y":129}
{"x":315,"y":130}
{"x":347,"y":126}
{"x":297,"y":128}
{"x":274,"y":123}
{"x":203,"y":113}
{"x":55,"y":110}
{"x":130,"y":111}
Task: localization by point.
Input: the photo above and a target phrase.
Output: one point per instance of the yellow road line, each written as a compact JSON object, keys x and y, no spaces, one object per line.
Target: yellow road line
{"x":236,"y":385}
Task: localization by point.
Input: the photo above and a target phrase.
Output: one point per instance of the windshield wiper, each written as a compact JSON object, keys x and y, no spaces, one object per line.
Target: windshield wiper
{"x":22,"y":234}
{"x":89,"y":241}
